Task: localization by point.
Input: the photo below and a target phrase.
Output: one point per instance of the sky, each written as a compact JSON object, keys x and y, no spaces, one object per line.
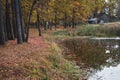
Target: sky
{"x":106,"y":0}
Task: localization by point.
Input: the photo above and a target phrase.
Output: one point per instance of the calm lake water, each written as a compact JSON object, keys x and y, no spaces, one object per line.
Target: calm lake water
{"x":100,"y":55}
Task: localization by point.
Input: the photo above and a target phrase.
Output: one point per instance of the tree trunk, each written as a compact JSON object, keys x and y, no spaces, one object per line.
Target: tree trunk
{"x":18,"y":22}
{"x":45,"y":27}
{"x":55,"y":20}
{"x":73,"y":17}
{"x":29,"y":18}
{"x":2,"y":33}
{"x":9,"y":27}
{"x":50,"y":25}
{"x":38,"y":24}
{"x":65,"y":20}
{"x":21,"y":21}
{"x":13,"y":19}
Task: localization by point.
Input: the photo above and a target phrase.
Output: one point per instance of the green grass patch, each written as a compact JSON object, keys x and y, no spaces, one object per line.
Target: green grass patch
{"x":64,"y":32}
{"x":91,"y":30}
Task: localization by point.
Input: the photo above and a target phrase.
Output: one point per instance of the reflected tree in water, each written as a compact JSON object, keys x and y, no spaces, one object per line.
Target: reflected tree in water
{"x":93,"y":52}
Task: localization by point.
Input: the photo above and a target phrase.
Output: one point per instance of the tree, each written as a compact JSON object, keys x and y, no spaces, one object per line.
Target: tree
{"x":2,"y":33}
{"x":21,"y":21}
{"x":18,"y":22}
{"x":13,"y":19}
{"x":67,"y":12}
{"x":38,"y":24}
{"x":29,"y":18}
{"x":9,"y":28}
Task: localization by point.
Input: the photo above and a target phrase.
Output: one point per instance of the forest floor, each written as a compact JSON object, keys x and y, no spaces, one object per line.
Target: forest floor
{"x":13,"y":56}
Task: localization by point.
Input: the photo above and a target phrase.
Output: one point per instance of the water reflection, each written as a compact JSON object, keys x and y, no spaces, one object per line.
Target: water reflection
{"x":97,"y":54}
{"x":108,"y":73}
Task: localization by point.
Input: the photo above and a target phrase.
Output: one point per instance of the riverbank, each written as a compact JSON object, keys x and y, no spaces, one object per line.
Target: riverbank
{"x":85,"y":44}
{"x":95,"y":48}
{"x":36,"y":60}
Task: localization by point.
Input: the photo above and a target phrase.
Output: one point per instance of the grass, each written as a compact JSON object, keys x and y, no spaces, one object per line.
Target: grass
{"x":92,"y":30}
{"x":52,"y":66}
{"x":64,"y":68}
{"x":64,"y":32}
{"x":99,"y":31}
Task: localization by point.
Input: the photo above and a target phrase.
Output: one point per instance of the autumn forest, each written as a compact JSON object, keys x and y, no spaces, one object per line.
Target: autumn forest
{"x":58,"y":39}
{"x":16,"y":15}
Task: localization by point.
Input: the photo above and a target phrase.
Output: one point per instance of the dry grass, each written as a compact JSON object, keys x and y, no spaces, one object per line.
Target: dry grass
{"x":113,"y":24}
